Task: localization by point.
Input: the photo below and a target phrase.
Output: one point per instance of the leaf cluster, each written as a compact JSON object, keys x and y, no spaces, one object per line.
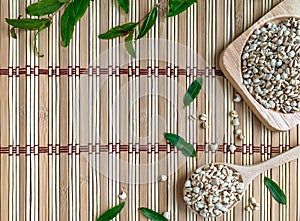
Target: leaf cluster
{"x":175,"y":8}
{"x":73,"y":12}
{"x":129,"y":29}
{"x":45,"y":9}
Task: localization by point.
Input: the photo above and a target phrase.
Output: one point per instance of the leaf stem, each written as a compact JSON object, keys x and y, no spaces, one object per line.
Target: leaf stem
{"x":143,"y":18}
{"x":63,"y":7}
{"x":158,"y":5}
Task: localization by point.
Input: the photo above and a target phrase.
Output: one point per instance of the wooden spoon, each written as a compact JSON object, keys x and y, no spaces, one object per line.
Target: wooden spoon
{"x":249,"y":173}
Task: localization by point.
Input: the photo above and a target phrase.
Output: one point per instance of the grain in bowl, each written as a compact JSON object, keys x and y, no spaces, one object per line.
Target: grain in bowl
{"x":271,"y":65}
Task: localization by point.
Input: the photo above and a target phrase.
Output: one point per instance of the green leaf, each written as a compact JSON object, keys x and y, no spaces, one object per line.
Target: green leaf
{"x":148,"y":23}
{"x":176,"y":7}
{"x":150,"y":214}
{"x":125,"y":5}
{"x":186,"y":148}
{"x":118,"y":31}
{"x":43,"y":7}
{"x":80,"y":6}
{"x":275,"y":191}
{"x":67,"y":25}
{"x":111,"y":213}
{"x":129,"y":44}
{"x":13,"y":33}
{"x":27,"y":23}
{"x":193,"y":91}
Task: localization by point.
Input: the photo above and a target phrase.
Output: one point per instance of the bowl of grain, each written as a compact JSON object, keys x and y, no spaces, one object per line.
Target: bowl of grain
{"x":263,"y":65}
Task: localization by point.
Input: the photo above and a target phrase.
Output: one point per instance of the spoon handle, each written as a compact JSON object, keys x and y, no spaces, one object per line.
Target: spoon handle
{"x":283,"y":158}
{"x":250,"y":172}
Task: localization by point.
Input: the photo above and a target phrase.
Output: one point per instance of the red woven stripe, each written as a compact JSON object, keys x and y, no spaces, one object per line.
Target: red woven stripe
{"x":98,"y":71}
{"x":97,"y":148}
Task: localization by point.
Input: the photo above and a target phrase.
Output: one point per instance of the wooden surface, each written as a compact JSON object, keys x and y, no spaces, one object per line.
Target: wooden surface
{"x":61,"y":142}
{"x":230,"y":63}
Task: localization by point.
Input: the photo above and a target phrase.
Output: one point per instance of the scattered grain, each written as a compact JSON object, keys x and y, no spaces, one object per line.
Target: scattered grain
{"x":203,"y":117}
{"x":166,"y":215}
{"x":163,"y":178}
{"x":205,"y":125}
{"x":232,"y":148}
{"x":237,"y":98}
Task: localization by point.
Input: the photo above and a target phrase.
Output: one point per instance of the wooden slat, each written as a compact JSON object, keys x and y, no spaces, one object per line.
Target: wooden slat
{"x":4,"y":140}
{"x":43,"y":141}
{"x":63,"y":157}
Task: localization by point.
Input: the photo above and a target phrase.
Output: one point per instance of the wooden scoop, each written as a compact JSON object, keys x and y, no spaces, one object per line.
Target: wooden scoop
{"x":249,"y":173}
{"x":231,"y":65}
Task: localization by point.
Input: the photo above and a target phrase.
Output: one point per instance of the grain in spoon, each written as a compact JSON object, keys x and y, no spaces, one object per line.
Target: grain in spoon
{"x":214,"y":189}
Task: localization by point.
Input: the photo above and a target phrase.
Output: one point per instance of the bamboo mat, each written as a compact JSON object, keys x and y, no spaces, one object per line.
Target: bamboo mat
{"x":79,"y":115}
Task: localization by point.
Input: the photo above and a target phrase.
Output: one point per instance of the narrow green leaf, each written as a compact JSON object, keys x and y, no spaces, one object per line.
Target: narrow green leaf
{"x":176,"y":7}
{"x":172,"y":138}
{"x":63,"y":1}
{"x":186,"y":148}
{"x":13,"y":33}
{"x":129,"y":44}
{"x":80,"y":7}
{"x":27,"y":23}
{"x":111,"y":213}
{"x":148,"y":23}
{"x":150,"y":214}
{"x":193,"y":91}
{"x":275,"y":191}
{"x":118,"y":31}
{"x":44,"y":7}
{"x":67,"y":25}
{"x":124,"y":4}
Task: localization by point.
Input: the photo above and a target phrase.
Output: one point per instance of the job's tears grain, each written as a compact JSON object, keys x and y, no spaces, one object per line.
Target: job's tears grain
{"x":213,"y":190}
{"x":271,"y":65}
